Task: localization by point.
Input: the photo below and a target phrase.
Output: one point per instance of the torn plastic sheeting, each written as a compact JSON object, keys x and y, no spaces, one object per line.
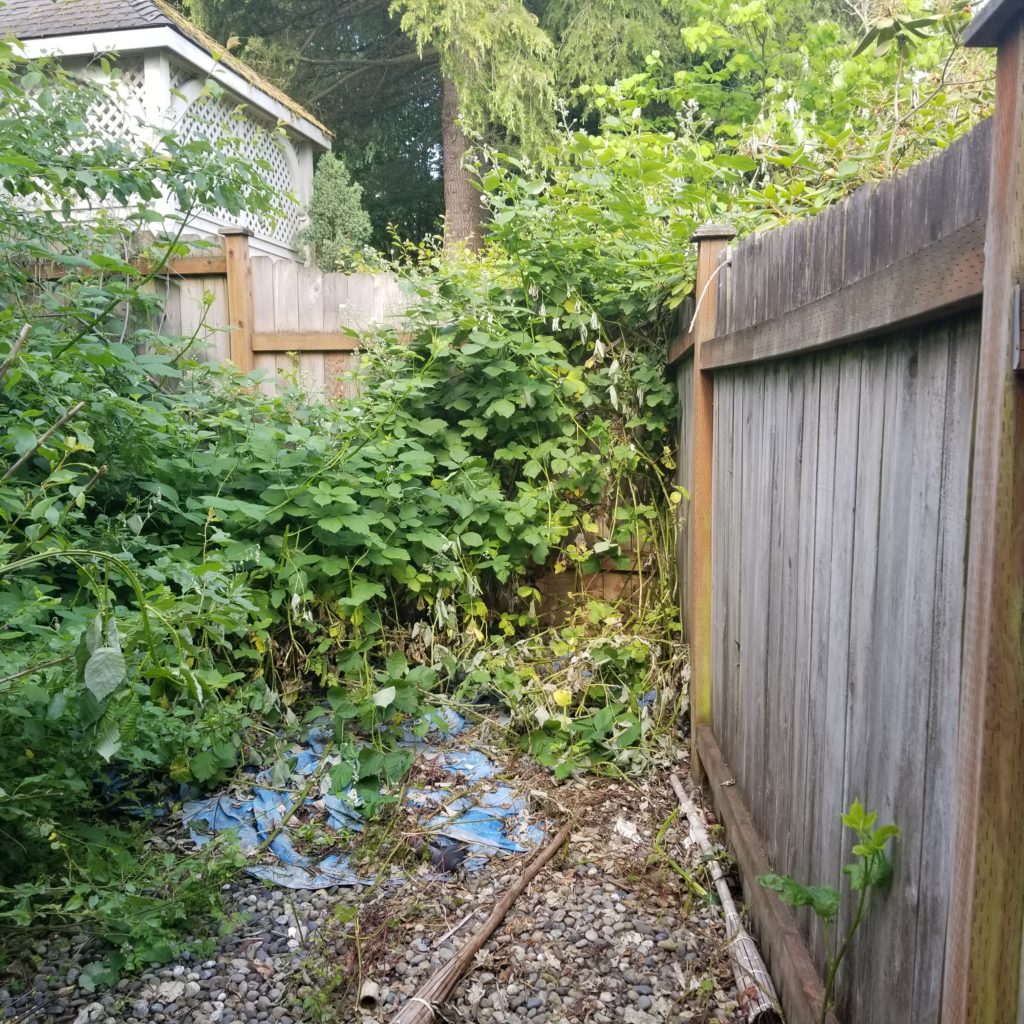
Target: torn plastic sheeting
{"x":483,"y":824}
{"x":267,"y":809}
{"x":443,"y":723}
{"x":218,"y":814}
{"x":331,"y":871}
{"x":489,"y":822}
{"x":470,"y":764}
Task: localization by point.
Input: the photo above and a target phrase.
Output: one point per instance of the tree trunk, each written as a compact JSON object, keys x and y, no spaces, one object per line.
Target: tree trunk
{"x":463,"y":212}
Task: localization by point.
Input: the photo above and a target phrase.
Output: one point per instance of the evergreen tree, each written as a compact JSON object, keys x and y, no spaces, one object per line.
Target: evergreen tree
{"x":497,"y":65}
{"x":338,"y":224}
{"x":349,"y":62}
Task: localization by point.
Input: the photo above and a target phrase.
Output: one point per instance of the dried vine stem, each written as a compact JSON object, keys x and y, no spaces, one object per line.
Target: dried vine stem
{"x":756,"y":993}
{"x":15,"y":349}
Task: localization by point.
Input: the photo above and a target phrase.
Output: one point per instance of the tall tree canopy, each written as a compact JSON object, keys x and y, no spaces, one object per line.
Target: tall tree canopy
{"x":497,"y":66}
{"x":402,"y":82}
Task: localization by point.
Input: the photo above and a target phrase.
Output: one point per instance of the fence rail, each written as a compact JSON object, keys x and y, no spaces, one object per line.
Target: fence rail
{"x":852,"y":432}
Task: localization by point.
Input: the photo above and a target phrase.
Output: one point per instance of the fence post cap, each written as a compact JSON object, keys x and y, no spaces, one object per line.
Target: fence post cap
{"x":235,"y":229}
{"x":706,"y":232}
{"x":992,"y":19}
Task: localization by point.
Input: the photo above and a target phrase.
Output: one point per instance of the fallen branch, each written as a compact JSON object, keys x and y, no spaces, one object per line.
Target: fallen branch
{"x":756,"y":993}
{"x":35,"y":668}
{"x":419,"y":1009}
{"x":73,"y":411}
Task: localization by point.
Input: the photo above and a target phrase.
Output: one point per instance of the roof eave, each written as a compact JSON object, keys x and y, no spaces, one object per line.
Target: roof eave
{"x":170,"y":38}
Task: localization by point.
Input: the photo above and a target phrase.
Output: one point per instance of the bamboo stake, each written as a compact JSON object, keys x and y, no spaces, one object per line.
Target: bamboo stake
{"x":756,"y":993}
{"x":419,"y":1009}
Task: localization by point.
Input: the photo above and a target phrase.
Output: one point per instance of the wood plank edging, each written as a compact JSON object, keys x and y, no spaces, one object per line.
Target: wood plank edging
{"x":800,"y":988}
{"x":304,"y":341}
{"x":937,"y":280}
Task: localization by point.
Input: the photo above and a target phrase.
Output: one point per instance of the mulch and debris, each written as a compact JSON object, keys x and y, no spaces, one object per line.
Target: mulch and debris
{"x":610,"y":931}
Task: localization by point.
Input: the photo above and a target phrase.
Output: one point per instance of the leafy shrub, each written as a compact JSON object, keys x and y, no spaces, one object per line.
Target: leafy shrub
{"x":870,"y":872}
{"x":184,"y":557}
{"x":109,"y":634}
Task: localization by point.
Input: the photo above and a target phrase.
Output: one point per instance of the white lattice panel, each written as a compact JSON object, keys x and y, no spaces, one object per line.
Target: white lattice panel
{"x":180,"y":77}
{"x":121,"y":113}
{"x":217,"y":119}
{"x":118,"y":113}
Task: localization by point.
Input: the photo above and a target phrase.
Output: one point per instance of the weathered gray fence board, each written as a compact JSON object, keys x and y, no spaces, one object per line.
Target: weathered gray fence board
{"x":840,"y":532}
{"x":757,"y":551}
{"x":947,"y":631}
{"x":839,"y":545}
{"x":840,"y":405}
{"x":804,"y":727}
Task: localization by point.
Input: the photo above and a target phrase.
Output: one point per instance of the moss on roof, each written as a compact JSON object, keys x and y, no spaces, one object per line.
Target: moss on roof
{"x":217,"y":50}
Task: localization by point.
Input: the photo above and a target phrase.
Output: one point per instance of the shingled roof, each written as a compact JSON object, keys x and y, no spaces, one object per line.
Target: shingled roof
{"x":41,"y":19}
{"x":49,"y":19}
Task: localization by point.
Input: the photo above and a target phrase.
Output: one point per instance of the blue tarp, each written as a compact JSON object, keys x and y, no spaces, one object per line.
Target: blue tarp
{"x":489,"y":818}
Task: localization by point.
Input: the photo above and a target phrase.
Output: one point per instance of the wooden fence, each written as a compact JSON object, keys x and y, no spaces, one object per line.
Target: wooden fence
{"x":852,"y":436}
{"x":275,"y":315}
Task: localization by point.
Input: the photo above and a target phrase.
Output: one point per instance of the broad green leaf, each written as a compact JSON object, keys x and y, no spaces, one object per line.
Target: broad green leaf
{"x":109,"y":743}
{"x":384,"y":697}
{"x":104,"y":671}
{"x":361,"y":591}
{"x":341,"y":777}
{"x":431,"y":426}
{"x":204,"y":766}
{"x":501,"y":407}
{"x":822,"y":899}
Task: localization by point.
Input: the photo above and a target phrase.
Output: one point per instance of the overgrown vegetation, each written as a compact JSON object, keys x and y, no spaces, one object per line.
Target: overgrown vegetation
{"x":185,"y":562}
{"x":187,"y":565}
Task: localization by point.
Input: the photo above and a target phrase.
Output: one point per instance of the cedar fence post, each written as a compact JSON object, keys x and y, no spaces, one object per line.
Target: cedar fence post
{"x":982,"y":976}
{"x":712,"y":244}
{"x":239,"y":288}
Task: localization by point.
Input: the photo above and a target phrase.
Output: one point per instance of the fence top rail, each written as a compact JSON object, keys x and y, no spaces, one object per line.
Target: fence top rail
{"x":877,"y":226}
{"x":943,"y":278}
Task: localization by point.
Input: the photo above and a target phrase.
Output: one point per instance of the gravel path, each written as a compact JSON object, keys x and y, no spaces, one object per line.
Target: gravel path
{"x":608,"y":932}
